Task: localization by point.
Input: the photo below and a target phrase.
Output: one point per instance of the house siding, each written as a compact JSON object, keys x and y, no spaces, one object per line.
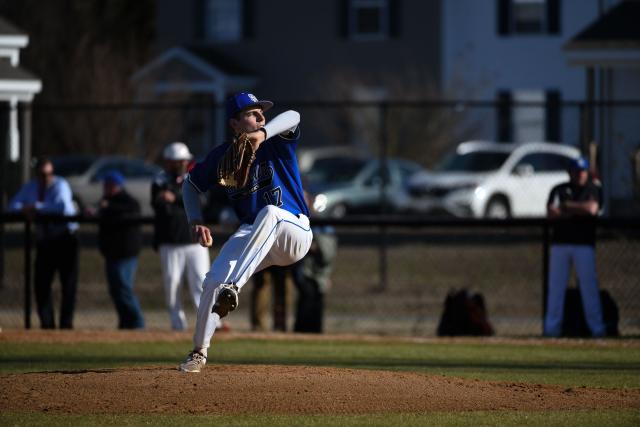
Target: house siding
{"x":488,"y":62}
{"x":296,"y":44}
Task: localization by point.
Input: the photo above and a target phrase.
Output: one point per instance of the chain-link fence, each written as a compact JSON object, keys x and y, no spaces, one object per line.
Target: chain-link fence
{"x":505,"y":265}
{"x":393,"y":282}
{"x":390,"y":280}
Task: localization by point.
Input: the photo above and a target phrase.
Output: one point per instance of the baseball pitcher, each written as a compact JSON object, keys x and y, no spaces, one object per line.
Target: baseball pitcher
{"x":259,"y":171}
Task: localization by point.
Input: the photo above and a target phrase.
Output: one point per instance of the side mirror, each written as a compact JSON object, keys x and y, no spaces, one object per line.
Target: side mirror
{"x":524,"y":170}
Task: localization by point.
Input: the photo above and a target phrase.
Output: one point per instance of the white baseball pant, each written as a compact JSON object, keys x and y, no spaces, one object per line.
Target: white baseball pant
{"x":178,"y":261}
{"x":277,"y":237}
{"x":583,"y":257}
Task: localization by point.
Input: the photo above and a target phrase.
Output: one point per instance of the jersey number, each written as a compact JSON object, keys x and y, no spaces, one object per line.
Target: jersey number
{"x":273,"y":197}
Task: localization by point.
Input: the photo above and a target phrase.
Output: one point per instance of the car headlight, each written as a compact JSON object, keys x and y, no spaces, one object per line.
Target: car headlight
{"x":480,"y":192}
{"x":320,"y":203}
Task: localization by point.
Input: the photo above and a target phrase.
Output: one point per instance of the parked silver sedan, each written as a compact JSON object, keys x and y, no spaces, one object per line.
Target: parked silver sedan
{"x":346,"y":185}
{"x":84,"y":174}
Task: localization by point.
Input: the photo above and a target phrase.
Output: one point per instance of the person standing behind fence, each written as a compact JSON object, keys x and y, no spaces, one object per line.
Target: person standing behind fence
{"x":56,"y":243}
{"x":179,"y":255}
{"x":574,"y":242}
{"x":272,"y":278}
{"x":120,"y":244}
{"x":312,"y":277}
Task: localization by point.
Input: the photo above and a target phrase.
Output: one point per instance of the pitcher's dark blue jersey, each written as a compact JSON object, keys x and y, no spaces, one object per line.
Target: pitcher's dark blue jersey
{"x":274,"y":178}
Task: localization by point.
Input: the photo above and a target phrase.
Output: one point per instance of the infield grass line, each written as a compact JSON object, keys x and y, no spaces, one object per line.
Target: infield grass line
{"x":576,"y":366}
{"x":582,"y":418}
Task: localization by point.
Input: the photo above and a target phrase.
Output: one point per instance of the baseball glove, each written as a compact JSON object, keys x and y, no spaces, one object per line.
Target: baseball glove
{"x":233,"y":169}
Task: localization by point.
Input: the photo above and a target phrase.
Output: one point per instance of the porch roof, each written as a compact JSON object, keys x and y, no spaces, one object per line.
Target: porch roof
{"x":193,"y":69}
{"x":613,"y":40}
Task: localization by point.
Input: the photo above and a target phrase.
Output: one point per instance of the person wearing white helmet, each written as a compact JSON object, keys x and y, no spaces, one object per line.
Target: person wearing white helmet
{"x":179,"y":256}
{"x":178,"y":154}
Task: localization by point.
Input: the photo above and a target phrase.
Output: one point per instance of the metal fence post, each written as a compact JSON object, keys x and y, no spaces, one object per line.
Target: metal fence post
{"x":27,"y":274}
{"x":545,"y":268}
{"x":383,"y":195}
{"x":2,"y":243}
{"x":3,"y":182}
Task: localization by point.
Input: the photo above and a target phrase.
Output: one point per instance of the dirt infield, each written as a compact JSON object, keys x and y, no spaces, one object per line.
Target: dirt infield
{"x":232,"y":389}
{"x":276,"y":389}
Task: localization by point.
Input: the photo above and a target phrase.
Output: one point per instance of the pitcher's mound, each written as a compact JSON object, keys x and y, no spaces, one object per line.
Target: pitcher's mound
{"x":232,"y":389}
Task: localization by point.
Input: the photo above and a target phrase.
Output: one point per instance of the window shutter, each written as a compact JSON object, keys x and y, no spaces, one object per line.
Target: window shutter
{"x":198,"y":20}
{"x":343,"y":18}
{"x":395,"y":18}
{"x":503,"y":16}
{"x":248,"y":19}
{"x":553,"y":16}
{"x":553,"y":115}
{"x":504,"y":120}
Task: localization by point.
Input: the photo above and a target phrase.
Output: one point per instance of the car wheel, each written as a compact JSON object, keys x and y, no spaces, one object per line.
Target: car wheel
{"x":498,"y":208}
{"x":338,"y":211}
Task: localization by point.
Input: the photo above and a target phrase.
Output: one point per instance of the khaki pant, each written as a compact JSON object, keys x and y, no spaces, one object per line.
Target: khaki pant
{"x":276,"y":279}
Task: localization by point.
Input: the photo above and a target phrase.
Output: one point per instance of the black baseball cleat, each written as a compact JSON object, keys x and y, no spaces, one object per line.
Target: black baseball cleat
{"x":227,"y":300}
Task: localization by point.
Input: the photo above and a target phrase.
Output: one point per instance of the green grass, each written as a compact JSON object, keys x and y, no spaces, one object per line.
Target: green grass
{"x":612,"y":366}
{"x":582,"y":364}
{"x":472,"y":419}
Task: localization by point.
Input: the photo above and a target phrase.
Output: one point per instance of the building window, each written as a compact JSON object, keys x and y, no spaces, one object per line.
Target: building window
{"x":528,"y":115}
{"x":368,"y":19}
{"x":223,"y":20}
{"x":528,"y":17}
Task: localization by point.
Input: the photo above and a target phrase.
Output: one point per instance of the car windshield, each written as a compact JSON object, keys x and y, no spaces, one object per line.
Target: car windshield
{"x":71,"y":166}
{"x":475,"y":161}
{"x":335,"y":170}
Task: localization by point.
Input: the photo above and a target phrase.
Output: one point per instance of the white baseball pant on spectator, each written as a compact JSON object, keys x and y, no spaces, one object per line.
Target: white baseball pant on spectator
{"x":178,"y":261}
{"x":277,"y":237}
{"x":583,"y":257}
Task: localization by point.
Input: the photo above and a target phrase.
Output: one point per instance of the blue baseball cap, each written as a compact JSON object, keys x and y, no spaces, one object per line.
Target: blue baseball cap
{"x":579,"y":164}
{"x":113,"y":177}
{"x":242,"y":100}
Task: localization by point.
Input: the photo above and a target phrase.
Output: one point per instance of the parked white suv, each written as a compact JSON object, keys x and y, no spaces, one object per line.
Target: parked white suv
{"x":494,"y":180}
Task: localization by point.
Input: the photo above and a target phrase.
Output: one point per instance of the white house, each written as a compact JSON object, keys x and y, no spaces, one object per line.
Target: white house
{"x":608,"y":52}
{"x":514,"y":51}
{"x":17,"y":86}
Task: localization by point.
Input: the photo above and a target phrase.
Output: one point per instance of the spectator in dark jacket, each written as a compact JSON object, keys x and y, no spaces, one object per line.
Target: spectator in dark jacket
{"x":573,"y":245}
{"x":120,"y":245}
